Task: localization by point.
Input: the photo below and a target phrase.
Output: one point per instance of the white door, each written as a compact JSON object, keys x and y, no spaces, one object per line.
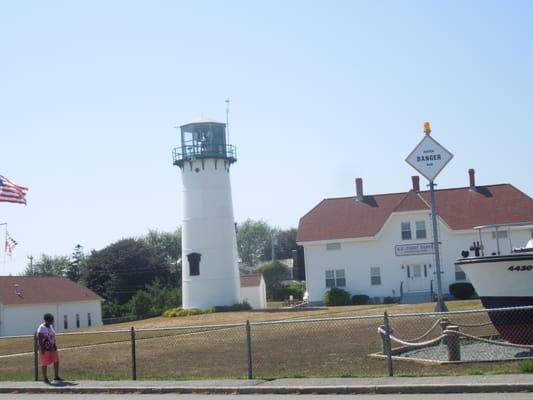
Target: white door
{"x":417,"y":278}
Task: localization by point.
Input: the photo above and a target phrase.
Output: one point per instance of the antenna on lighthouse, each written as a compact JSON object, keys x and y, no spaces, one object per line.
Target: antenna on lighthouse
{"x":227,"y":120}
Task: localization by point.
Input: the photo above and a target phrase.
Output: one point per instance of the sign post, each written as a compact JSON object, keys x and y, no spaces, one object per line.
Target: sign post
{"x":429,"y":158}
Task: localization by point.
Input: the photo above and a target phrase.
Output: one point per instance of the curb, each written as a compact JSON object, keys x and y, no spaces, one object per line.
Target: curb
{"x":359,"y":389}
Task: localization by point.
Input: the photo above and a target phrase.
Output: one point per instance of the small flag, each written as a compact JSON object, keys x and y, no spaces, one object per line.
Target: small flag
{"x":10,"y":244}
{"x":11,"y":192}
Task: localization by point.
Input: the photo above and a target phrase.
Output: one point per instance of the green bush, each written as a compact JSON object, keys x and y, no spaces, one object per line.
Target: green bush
{"x":141,"y":304}
{"x":336,"y":297}
{"x":185,"y":312}
{"x":360,"y":299}
{"x":462,"y":290}
{"x":388,"y":300}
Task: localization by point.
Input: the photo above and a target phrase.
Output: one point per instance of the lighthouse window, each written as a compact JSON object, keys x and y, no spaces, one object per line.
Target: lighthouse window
{"x":420,"y":229}
{"x":406,"y":231}
{"x":194,"y":263}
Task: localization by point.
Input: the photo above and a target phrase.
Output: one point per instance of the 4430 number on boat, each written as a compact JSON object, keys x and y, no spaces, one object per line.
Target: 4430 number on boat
{"x":520,"y":268}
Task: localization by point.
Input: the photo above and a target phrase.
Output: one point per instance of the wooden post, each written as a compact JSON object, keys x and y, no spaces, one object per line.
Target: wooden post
{"x":451,"y":340}
{"x":249,"y":349}
{"x":133,"y":356}
{"x":444,"y":323}
{"x":36,"y":356}
{"x":388,"y":347}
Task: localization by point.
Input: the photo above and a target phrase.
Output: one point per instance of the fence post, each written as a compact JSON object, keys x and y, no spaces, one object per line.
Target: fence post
{"x":249,"y":349}
{"x":36,"y":355}
{"x":133,"y":356}
{"x":451,"y":340}
{"x":388,"y":343}
{"x":444,"y":323}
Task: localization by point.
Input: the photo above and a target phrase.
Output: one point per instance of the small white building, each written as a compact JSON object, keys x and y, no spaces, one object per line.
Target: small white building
{"x":253,"y":290}
{"x":382,"y":245}
{"x":25,"y":299}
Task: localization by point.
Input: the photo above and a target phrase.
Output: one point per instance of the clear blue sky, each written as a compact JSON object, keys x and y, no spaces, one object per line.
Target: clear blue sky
{"x":321,"y":92}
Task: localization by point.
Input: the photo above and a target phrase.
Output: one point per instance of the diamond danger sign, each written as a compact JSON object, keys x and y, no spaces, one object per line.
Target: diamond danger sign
{"x":429,"y":157}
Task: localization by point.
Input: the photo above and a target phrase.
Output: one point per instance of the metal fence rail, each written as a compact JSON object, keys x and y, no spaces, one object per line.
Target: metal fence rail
{"x":372,"y":345}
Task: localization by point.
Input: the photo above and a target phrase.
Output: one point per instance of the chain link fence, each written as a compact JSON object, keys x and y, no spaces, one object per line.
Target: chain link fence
{"x":462,"y":342}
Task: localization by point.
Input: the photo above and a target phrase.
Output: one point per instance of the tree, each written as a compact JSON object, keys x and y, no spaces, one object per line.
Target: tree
{"x":285,"y":241}
{"x":141,"y":304}
{"x":77,"y":260}
{"x":274,"y":273}
{"x":48,"y":266}
{"x":121,"y":269}
{"x":167,"y":245}
{"x":254,"y":240}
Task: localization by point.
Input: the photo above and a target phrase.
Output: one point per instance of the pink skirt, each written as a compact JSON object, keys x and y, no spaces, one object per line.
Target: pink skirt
{"x":49,"y":357}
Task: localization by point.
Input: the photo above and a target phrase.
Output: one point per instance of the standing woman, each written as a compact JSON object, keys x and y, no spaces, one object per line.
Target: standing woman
{"x":48,"y":347}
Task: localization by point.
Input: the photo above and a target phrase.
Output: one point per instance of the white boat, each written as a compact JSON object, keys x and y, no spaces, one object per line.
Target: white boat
{"x":503,"y":280}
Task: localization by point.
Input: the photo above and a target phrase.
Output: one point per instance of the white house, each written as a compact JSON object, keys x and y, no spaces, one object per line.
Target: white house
{"x":25,"y":299}
{"x":382,"y":245}
{"x":253,"y":290}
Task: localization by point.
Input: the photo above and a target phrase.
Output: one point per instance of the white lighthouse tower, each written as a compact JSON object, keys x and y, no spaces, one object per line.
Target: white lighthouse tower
{"x":210,"y":272}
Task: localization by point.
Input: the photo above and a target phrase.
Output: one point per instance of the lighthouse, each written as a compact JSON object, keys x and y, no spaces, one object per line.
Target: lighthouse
{"x":210,"y":271}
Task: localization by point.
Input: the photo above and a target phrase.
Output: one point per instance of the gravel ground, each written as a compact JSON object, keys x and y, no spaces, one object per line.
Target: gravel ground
{"x":472,"y":351}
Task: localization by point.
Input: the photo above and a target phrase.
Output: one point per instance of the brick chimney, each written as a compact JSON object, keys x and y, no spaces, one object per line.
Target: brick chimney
{"x":472,"y":176}
{"x":359,"y":189}
{"x":416,"y":183}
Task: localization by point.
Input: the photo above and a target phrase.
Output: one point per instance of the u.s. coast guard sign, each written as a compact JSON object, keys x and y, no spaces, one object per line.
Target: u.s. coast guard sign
{"x":429,"y":157}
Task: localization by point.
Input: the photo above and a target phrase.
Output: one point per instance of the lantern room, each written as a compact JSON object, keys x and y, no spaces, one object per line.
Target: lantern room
{"x":204,"y":139}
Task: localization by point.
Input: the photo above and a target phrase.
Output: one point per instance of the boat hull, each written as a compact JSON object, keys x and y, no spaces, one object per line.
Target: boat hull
{"x":501,"y":282}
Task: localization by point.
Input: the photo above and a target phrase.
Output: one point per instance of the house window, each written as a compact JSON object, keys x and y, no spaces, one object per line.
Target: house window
{"x":459,"y":274}
{"x":65,"y":321}
{"x":194,"y":263}
{"x":406,"y":231}
{"x":335,"y":278}
{"x":500,"y":234}
{"x":417,"y":271}
{"x":333,"y":246}
{"x":421,"y":229}
{"x":375,"y":276}
{"x":330,"y":278}
{"x":340,"y":279}
{"x":77,"y":320}
{"x":89,"y":320}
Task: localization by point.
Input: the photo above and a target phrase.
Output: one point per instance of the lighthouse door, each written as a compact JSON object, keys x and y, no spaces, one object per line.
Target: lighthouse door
{"x":417,"y":277}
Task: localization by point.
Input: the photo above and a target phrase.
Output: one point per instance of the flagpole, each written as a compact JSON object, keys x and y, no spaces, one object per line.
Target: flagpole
{"x":5,"y":244}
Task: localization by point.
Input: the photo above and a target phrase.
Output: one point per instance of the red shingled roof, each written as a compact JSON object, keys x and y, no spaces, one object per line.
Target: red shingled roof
{"x":251,"y":280}
{"x":42,"y":289}
{"x":460,"y":208}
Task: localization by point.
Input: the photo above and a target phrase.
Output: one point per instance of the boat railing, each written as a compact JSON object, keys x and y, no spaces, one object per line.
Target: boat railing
{"x":498,"y":228}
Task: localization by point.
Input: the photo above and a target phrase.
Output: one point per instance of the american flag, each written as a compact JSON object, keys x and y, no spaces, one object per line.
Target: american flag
{"x":11,"y":192}
{"x":10,"y":244}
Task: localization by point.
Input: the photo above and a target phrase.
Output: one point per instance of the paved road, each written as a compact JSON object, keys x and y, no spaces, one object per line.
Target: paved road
{"x":466,"y":396}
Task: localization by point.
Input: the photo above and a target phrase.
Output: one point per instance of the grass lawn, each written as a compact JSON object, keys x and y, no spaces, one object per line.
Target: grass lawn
{"x":306,"y":349}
